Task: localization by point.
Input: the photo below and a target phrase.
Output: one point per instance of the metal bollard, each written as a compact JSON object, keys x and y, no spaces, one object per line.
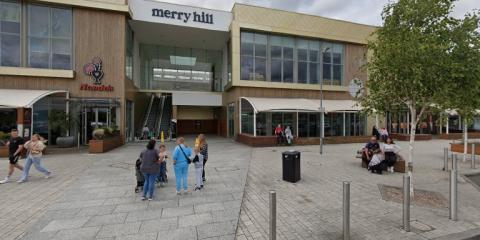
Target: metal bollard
{"x":406,"y":203}
{"x":346,"y":210}
{"x":445,"y":159}
{"x":473,"y":155}
{"x":273,"y":215}
{"x":454,"y":161}
{"x":453,"y":195}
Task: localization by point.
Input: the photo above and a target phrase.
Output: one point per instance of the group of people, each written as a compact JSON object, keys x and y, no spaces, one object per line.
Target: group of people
{"x":379,"y":157}
{"x":283,"y":135}
{"x":34,"y":150}
{"x":151,"y":160}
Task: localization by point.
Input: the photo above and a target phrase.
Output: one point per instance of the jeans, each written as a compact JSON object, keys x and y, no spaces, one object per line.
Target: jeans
{"x":181,"y":175}
{"x":162,"y":176}
{"x":198,"y":177}
{"x":390,"y":158}
{"x":38,"y":165}
{"x":149,"y":184}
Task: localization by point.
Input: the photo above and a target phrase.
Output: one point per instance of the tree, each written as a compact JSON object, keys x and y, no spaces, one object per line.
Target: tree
{"x":409,"y":59}
{"x":465,"y":70}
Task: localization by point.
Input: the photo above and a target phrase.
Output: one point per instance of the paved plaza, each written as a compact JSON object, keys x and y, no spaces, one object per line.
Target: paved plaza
{"x":91,"y":196}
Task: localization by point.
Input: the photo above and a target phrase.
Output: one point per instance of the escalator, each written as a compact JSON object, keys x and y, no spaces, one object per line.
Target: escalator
{"x":158,"y":115}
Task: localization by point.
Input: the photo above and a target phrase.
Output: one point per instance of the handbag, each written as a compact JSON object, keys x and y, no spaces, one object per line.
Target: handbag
{"x":196,"y":159}
{"x":189,"y":161}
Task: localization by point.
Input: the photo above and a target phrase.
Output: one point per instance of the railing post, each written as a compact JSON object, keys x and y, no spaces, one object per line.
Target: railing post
{"x":445,"y":159}
{"x":453,"y":195}
{"x":273,"y":215}
{"x":406,"y":203}
{"x":346,"y":210}
{"x":473,"y":155}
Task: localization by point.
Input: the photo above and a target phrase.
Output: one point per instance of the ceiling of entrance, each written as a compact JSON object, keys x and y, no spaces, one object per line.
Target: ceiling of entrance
{"x":177,"y":36}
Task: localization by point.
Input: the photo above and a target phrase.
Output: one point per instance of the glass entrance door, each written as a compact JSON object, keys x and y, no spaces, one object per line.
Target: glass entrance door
{"x":230,"y":120}
{"x":96,"y":117}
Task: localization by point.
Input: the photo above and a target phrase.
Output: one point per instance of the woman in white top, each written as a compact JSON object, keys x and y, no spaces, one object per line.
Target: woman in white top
{"x":35,"y":148}
{"x":288,"y":135}
{"x":390,"y":150}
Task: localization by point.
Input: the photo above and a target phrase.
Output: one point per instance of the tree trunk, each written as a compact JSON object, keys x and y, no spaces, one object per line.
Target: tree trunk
{"x":465,"y":139}
{"x":413,"y":128}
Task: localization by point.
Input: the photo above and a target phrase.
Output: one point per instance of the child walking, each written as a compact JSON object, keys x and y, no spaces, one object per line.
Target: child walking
{"x":162,"y":177}
{"x":198,"y":163}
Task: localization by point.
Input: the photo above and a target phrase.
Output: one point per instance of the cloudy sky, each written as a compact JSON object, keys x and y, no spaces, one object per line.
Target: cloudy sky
{"x":361,"y":11}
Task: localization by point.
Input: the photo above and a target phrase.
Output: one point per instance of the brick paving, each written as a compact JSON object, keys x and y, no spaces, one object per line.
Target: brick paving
{"x":91,"y":197}
{"x":312,"y":207}
{"x":99,"y":202}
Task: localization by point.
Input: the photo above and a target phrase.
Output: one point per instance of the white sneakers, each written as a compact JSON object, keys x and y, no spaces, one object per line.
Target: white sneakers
{"x":391,"y":170}
{"x":6,"y":180}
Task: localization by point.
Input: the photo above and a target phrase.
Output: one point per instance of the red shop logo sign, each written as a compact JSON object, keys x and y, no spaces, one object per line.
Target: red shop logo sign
{"x":94,"y":69}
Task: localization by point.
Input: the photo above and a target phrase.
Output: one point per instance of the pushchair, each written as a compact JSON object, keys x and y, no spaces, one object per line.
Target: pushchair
{"x":139,"y":175}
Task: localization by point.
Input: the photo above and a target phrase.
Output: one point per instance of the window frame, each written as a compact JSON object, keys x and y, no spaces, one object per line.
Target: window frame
{"x":21,"y":22}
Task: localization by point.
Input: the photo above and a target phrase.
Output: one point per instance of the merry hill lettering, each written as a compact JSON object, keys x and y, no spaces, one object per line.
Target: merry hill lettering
{"x":183,"y":16}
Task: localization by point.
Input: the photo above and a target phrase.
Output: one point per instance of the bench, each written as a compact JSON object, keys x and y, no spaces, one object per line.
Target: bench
{"x":398,"y":167}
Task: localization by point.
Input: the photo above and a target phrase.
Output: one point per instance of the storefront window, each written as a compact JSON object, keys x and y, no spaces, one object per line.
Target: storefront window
{"x":10,"y":15}
{"x":261,"y":124}
{"x":8,"y":119}
{"x":247,"y":117}
{"x":49,"y":37}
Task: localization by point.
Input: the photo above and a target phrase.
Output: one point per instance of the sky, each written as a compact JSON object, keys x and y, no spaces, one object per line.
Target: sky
{"x":360,"y":11}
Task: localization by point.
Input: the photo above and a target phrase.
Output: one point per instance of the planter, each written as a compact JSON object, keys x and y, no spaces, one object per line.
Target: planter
{"x":3,"y":151}
{"x":406,"y":137}
{"x":453,"y":136}
{"x":66,"y":142}
{"x":269,"y":141}
{"x":105,"y":145}
{"x":458,"y":147}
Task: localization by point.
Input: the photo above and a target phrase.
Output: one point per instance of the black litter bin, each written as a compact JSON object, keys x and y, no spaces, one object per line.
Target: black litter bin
{"x":291,"y":166}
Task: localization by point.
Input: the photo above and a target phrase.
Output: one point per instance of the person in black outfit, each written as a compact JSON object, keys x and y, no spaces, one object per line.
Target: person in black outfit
{"x":375,"y":132}
{"x":203,"y":145}
{"x":15,"y":146}
{"x":367,"y":151}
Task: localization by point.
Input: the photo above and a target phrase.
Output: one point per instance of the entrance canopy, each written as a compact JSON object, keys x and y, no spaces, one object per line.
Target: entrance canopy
{"x":300,"y":105}
{"x":17,"y":98}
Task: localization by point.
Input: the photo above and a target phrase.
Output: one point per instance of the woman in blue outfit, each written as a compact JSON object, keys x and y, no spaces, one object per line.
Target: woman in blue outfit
{"x":180,"y":157}
{"x":150,"y":168}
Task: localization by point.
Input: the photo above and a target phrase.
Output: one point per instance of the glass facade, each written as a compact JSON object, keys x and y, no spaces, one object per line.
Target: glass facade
{"x":308,"y":124}
{"x":49,"y":37}
{"x":275,"y":58}
{"x":129,"y":52}
{"x":10,"y":29}
{"x":183,"y":69}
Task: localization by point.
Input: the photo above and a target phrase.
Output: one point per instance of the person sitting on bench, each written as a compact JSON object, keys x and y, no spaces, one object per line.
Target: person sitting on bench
{"x":390,"y":150}
{"x":376,"y":163}
{"x":367,"y":151}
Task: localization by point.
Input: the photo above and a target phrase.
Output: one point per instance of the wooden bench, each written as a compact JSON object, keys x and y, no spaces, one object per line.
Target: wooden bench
{"x":398,"y":167}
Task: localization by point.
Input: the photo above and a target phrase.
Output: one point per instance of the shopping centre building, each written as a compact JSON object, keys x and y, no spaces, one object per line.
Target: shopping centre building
{"x":172,"y":67}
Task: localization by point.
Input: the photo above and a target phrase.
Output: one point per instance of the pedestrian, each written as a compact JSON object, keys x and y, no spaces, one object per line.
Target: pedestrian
{"x":376,"y":164}
{"x":35,"y":148}
{"x":150,"y":168}
{"x":375,"y":132}
{"x":204,"y":151}
{"x":15,"y":147}
{"x":383,"y":134}
{"x":181,"y":160}
{"x":145,"y":132}
{"x":198,"y":161}
{"x":279,"y":133}
{"x":390,"y":150}
{"x":162,"y":177}
{"x":288,"y":135}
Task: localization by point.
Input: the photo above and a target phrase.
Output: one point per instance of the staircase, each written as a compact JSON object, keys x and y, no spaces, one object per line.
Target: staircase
{"x":151,"y":116}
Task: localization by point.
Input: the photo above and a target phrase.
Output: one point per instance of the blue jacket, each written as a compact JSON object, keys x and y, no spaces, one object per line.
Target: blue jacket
{"x":179,"y":157}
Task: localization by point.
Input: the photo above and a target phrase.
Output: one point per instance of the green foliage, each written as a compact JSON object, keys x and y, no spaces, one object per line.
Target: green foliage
{"x":60,"y":121}
{"x":4,"y":137}
{"x":409,"y":57}
{"x":105,"y":132}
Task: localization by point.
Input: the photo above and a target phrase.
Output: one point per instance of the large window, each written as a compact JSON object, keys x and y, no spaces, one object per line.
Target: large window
{"x":254,"y":56}
{"x":332,"y":63}
{"x":49,"y":37}
{"x":10,"y":15}
{"x":247,"y":117}
{"x":268,"y":57}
